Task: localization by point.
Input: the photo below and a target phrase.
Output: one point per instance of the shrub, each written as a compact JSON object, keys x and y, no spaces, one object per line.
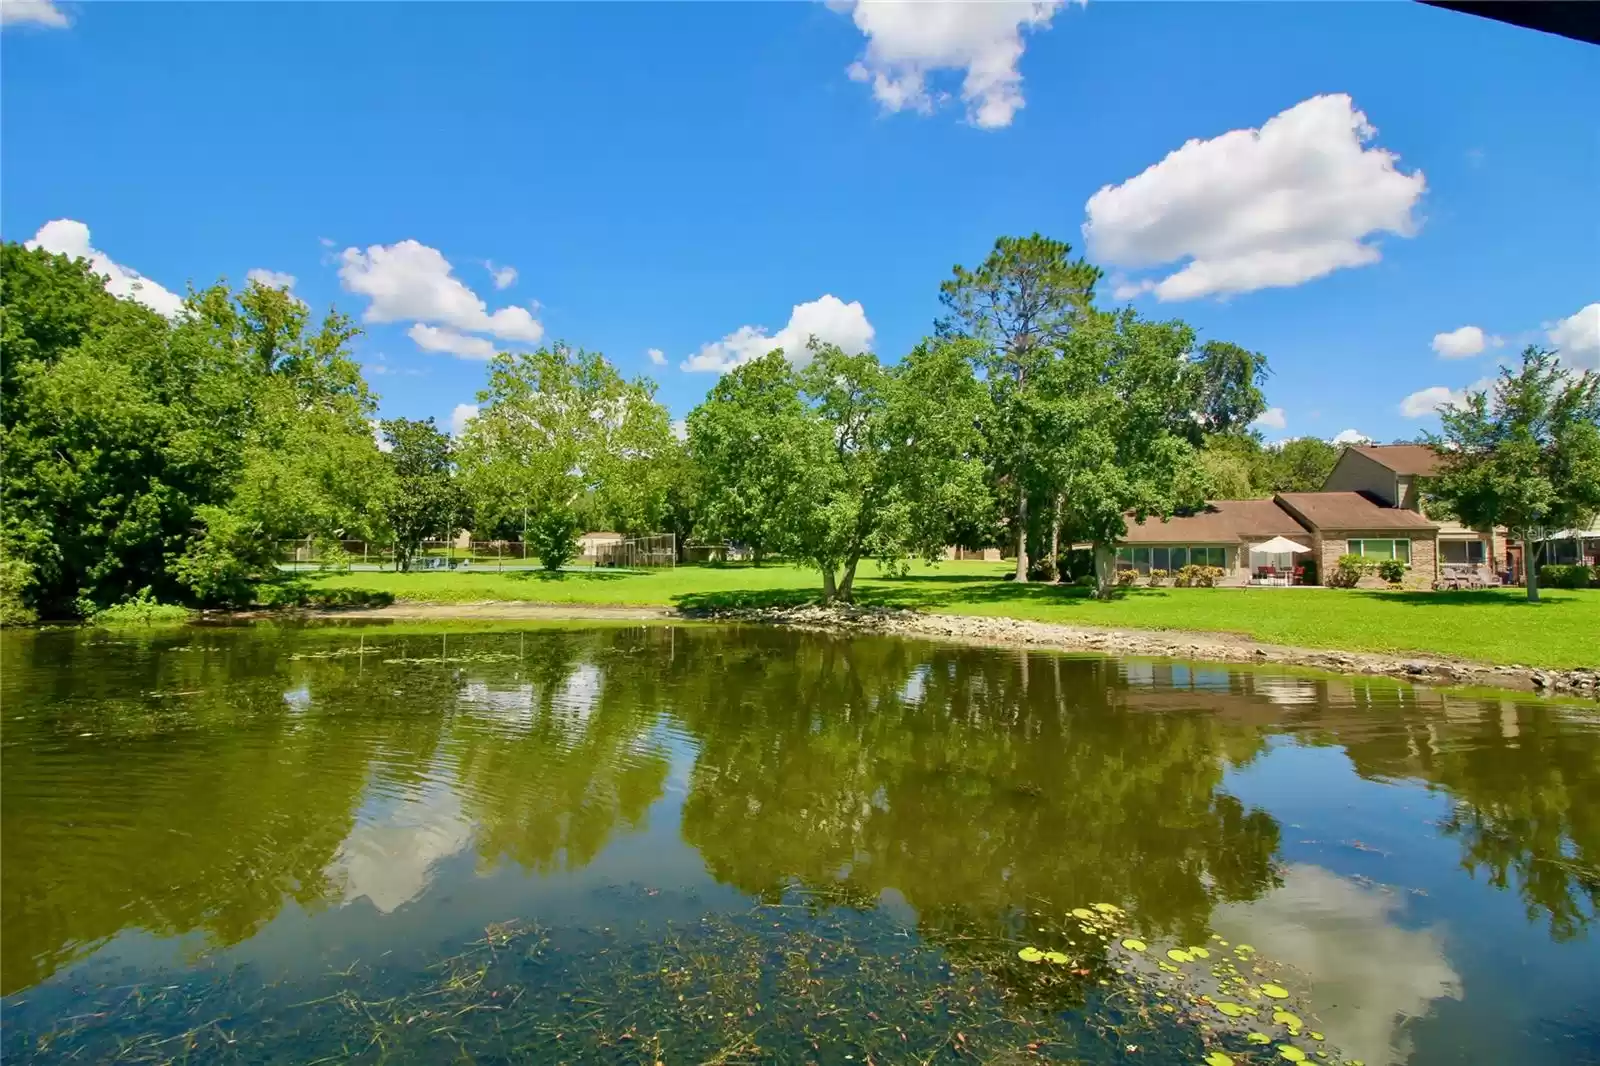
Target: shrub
{"x":1349,"y":570}
{"x":16,"y":579}
{"x":1042,"y":570}
{"x":1197,"y":576}
{"x":140,"y":610}
{"x":1087,"y":581}
{"x":1157,"y":577}
{"x":223,"y":564}
{"x":1565,"y":576}
{"x":1392,"y":570}
{"x":1127,"y":577}
{"x":555,"y":537}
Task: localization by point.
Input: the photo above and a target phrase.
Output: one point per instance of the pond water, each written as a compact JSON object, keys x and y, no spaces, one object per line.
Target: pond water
{"x":670,"y":844}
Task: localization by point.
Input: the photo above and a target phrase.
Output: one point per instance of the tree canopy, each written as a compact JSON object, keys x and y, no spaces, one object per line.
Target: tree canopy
{"x":1524,"y":455}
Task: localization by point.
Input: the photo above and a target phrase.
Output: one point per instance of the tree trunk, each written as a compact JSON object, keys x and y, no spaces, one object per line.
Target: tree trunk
{"x":830,"y":591}
{"x":847,"y":582}
{"x":1022,"y":537}
{"x":1105,"y":570}
{"x":1055,"y":539}
{"x":1530,"y":570}
{"x":755,"y":554}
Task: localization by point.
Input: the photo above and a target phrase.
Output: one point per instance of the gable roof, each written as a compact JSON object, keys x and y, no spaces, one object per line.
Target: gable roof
{"x":1407,"y":460}
{"x":1222,"y":522}
{"x":1349,"y":510}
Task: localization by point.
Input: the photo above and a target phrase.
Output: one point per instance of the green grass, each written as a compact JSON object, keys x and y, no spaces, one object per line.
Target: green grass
{"x":1489,"y":626}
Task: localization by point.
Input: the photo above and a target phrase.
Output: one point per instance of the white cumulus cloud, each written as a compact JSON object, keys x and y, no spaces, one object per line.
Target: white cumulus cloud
{"x":1272,"y":418}
{"x":1424,"y":402}
{"x":273,"y":279}
{"x":378,"y":437}
{"x":657,"y":356}
{"x":1463,"y":343}
{"x":411,"y":281}
{"x":680,"y":428}
{"x":460,"y":415}
{"x":435,"y":339}
{"x":68,"y":237}
{"x":1577,"y":338}
{"x":504,"y":276}
{"x":33,"y":12}
{"x":907,"y":42}
{"x":827,"y":318}
{"x":1351,"y":436}
{"x":1257,"y":208}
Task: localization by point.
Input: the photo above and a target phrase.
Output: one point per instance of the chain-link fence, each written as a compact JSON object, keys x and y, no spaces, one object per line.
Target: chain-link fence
{"x":331,"y":555}
{"x":652,"y":550}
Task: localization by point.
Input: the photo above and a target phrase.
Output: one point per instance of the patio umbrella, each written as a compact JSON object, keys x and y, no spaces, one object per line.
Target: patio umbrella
{"x":1279,"y":546}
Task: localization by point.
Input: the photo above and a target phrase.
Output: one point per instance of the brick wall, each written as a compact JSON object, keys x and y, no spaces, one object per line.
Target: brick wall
{"x":1424,"y":553}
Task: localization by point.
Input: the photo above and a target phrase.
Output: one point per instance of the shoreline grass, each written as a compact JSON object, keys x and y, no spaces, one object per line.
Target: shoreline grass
{"x":1494,"y":626}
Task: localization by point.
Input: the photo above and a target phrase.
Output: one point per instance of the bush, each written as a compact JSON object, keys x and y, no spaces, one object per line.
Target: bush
{"x":1565,"y":576}
{"x":1127,"y":577}
{"x":1349,"y":570}
{"x":223,"y":564}
{"x":1197,"y":576}
{"x":16,"y":578}
{"x":1042,"y":570}
{"x":140,"y":610}
{"x":555,"y":537}
{"x":1158,"y":577}
{"x":1087,"y":581}
{"x":1392,"y":570}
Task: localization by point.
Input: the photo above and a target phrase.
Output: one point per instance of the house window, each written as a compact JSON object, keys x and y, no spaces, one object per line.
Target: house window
{"x":1171,"y":558}
{"x":1382,"y":549}
{"x":1463,"y":552}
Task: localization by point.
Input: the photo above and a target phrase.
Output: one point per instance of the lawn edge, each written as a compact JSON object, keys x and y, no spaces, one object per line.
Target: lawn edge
{"x":1001,"y":631}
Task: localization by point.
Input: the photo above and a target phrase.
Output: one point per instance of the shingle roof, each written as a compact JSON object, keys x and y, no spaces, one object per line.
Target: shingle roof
{"x":1223,"y":522}
{"x":1413,"y":460}
{"x":1350,"y":510}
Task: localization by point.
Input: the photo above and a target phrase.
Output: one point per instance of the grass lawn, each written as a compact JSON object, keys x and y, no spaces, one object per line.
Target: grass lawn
{"x":1489,"y":626}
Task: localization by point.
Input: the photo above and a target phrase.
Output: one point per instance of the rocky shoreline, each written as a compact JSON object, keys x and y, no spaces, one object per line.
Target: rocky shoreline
{"x":1167,"y":644}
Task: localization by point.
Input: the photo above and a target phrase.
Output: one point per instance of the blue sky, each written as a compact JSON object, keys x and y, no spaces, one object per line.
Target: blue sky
{"x":706,"y":179}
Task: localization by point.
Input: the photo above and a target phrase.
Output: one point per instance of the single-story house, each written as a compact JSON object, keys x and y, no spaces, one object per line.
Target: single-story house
{"x":1572,"y":546}
{"x":1353,"y":523}
{"x":1328,"y":524}
{"x":1394,"y":474}
{"x":1221,"y":535}
{"x":591,"y":545}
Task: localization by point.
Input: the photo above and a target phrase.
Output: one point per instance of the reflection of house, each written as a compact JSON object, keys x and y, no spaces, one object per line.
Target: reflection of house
{"x":1394,"y":474}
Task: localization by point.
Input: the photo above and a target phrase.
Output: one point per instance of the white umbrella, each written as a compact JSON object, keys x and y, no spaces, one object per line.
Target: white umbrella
{"x":1278,"y":546}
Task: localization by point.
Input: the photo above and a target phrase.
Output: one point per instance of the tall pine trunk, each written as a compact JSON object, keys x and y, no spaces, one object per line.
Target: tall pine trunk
{"x":1055,"y":539}
{"x":1022,"y":537}
{"x":1530,"y":569}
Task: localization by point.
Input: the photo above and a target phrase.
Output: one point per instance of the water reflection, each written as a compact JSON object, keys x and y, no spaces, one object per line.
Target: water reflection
{"x":1371,"y":973}
{"x":202,"y":782}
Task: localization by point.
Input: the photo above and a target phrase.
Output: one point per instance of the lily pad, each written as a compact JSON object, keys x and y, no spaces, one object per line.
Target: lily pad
{"x":1245,"y":949}
{"x":1108,"y":908}
{"x":1286,"y":1017}
{"x":1217,"y":1058}
{"x":1290,"y":1052}
{"x":1275,"y":991}
{"x":1030,"y":954}
{"x":1200,"y":953}
{"x":1134,"y":945}
{"x":1082,"y":912}
{"x":1317,"y":1036}
{"x":1179,"y":955}
{"x":1258,"y":1038}
{"x":1233,"y":1010}
{"x":1056,"y":957}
